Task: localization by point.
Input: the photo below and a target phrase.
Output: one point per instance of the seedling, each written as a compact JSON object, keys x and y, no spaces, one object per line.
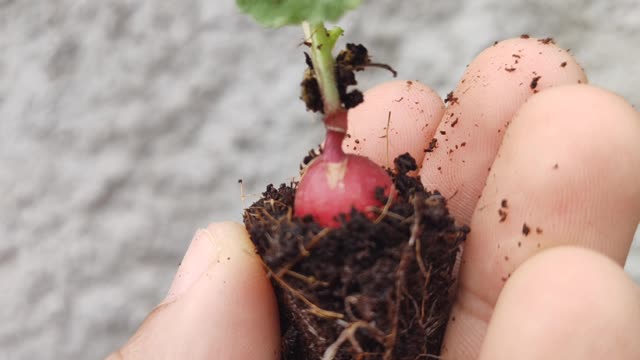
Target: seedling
{"x":361,"y":261}
{"x":335,"y":182}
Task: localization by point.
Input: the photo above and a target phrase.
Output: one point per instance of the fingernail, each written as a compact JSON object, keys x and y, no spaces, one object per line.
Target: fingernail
{"x":201,"y":253}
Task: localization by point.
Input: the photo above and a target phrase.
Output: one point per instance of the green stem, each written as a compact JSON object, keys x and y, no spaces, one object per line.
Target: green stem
{"x":322,"y":43}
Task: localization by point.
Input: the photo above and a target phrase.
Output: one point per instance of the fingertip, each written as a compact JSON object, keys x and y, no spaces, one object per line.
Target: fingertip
{"x":568,"y":165}
{"x":532,"y":64}
{"x":246,"y":312}
{"x":566,"y":303}
{"x":551,"y":168}
{"x":207,"y":247}
{"x":494,"y":86}
{"x":232,"y":237}
{"x":228,"y":312}
{"x":396,"y":117}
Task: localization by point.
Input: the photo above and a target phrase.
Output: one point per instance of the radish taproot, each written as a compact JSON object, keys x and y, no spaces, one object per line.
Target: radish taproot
{"x":334,"y":183}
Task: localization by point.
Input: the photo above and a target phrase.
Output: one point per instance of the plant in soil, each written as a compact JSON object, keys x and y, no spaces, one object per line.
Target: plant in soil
{"x":361,"y":257}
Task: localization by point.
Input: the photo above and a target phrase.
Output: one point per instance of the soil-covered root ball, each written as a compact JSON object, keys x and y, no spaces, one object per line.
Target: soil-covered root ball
{"x":372,"y":288}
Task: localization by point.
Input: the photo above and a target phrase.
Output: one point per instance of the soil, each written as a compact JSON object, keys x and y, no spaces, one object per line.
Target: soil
{"x":354,"y":58}
{"x":370,"y":289}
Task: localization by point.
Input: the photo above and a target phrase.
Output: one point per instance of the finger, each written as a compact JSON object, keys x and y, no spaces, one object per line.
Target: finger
{"x":395,"y":118}
{"x":566,"y":173}
{"x":492,"y":89}
{"x":221,"y":305}
{"x":566,"y":303}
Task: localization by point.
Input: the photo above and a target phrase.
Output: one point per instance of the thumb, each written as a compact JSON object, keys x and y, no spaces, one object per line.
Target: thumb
{"x":220,"y":305}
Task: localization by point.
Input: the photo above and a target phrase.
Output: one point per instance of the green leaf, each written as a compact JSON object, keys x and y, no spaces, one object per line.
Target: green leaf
{"x":276,"y":13}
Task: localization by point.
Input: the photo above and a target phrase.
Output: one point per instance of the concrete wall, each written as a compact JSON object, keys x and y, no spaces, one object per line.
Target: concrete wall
{"x":125,"y":125}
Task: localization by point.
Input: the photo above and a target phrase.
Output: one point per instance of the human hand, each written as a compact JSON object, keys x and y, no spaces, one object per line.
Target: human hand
{"x":569,"y":161}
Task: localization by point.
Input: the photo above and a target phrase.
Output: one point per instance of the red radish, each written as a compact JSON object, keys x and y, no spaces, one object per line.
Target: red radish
{"x":335,"y":182}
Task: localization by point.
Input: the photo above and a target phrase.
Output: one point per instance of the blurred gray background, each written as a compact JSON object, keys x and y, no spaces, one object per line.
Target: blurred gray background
{"x":125,"y":125}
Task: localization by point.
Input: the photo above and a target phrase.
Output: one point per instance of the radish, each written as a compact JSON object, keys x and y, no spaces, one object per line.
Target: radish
{"x":335,"y":183}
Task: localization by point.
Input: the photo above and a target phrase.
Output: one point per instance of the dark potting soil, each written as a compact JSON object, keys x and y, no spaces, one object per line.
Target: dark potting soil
{"x":370,"y":289}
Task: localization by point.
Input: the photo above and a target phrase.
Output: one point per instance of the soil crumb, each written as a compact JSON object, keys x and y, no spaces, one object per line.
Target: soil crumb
{"x":502,"y":212}
{"x":534,"y":82}
{"x":433,"y":144}
{"x":547,"y":41}
{"x":451,"y":98}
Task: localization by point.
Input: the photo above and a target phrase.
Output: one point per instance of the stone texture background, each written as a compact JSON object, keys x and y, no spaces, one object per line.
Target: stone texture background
{"x":125,"y":125}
